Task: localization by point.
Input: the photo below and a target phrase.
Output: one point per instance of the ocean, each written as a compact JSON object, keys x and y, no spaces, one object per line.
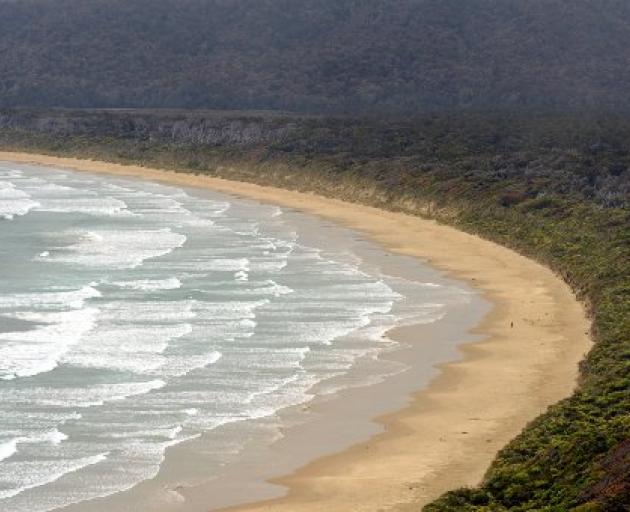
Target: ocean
{"x":137,"y":316}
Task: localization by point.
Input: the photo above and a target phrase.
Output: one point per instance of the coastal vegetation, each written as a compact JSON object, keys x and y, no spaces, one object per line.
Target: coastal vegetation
{"x":553,"y":187}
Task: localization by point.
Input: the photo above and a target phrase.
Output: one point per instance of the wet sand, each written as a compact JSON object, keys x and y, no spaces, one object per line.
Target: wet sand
{"x":525,"y":359}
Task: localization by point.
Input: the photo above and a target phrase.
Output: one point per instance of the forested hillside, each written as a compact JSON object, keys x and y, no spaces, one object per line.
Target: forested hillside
{"x":316,"y":55}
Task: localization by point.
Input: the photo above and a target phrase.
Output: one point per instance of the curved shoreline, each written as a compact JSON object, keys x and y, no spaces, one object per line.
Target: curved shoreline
{"x":526,"y":360}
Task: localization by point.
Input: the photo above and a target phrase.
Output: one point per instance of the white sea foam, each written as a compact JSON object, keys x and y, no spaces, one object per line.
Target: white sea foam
{"x":54,"y":198}
{"x":31,"y":474}
{"x":119,"y":249}
{"x":54,"y":437}
{"x":241,"y":275}
{"x":88,"y":206}
{"x":170,"y":283}
{"x":8,"y":448}
{"x":28,"y":353}
{"x":89,"y":396}
{"x":136,"y":349}
{"x":9,"y":172}
{"x":139,"y":313}
{"x":133,"y":336}
{"x":165,"y":205}
{"x":139,"y":431}
{"x":264,"y":288}
{"x":14,"y":202}
{"x":228,"y":264}
{"x":178,"y":366}
{"x":53,"y":299}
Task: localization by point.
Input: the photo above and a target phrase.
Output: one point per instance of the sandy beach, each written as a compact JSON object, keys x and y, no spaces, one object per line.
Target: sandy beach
{"x":526,"y":359}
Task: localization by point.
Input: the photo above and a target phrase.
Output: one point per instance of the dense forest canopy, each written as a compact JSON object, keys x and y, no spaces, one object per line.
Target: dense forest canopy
{"x":316,"y":55}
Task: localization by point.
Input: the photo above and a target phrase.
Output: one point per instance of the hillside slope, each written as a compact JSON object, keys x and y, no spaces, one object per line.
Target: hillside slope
{"x":316,"y":55}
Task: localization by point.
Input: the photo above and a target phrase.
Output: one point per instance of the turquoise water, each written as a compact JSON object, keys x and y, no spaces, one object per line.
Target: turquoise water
{"x":135,"y":316}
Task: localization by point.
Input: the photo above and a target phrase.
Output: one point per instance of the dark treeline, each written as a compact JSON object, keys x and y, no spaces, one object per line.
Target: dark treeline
{"x":316,"y":55}
{"x":584,"y":156}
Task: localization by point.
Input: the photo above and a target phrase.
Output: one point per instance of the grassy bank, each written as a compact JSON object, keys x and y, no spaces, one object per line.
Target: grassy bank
{"x":556,"y":188}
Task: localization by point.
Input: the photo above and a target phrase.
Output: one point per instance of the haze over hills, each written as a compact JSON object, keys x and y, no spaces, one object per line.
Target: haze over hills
{"x":316,"y":55}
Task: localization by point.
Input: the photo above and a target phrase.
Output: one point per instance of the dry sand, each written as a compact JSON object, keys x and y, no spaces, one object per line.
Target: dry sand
{"x":527,"y":359}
